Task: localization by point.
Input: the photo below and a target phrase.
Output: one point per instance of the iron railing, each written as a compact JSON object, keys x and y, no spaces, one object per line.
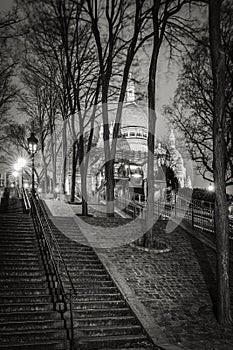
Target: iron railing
{"x":55,"y":266}
{"x":26,"y":201}
{"x":200,"y":215}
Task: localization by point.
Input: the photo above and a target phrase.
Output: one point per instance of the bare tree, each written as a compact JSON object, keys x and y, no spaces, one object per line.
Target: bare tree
{"x":192,"y":110}
{"x":116,"y":48}
{"x":219,"y":162}
{"x":40,"y":103}
{"x":8,"y":61}
{"x":168,"y":21}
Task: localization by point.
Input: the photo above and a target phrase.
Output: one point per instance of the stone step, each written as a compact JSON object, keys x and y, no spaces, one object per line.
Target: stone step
{"x":56,"y":344}
{"x":5,"y":285}
{"x":89,"y":284}
{"x":95,"y":290}
{"x":22,"y":253}
{"x":98,"y":304}
{"x":18,"y":225}
{"x":124,"y":311}
{"x":30,"y":325}
{"x":25,"y":299}
{"x":30,"y":315}
{"x":17,"y":237}
{"x":92,"y":278}
{"x":71,"y":245}
{"x":87,"y":271}
{"x":11,"y":261}
{"x":113,"y":330}
{"x":110,"y":341}
{"x":16,"y":242}
{"x":104,"y":321}
{"x":13,"y":292}
{"x":32,"y":335}
{"x":80,"y":260}
{"x":98,"y":297}
{"x":21,"y":273}
{"x":19,"y":249}
{"x":82,"y":264}
{"x":16,"y":307}
{"x":76,"y":256}
{"x":78,"y":249}
{"x":25,"y":267}
{"x":23,"y":278}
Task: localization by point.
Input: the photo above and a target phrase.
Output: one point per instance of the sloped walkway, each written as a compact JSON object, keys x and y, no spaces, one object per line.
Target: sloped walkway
{"x":173,"y":291}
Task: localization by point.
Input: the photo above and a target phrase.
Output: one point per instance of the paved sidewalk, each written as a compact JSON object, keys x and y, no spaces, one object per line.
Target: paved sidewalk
{"x":175,"y":289}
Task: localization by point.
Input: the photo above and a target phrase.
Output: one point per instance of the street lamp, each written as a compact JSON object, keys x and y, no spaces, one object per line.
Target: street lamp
{"x":32,"y":146}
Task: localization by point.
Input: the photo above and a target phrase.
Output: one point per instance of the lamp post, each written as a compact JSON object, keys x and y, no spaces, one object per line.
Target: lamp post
{"x":32,"y":146}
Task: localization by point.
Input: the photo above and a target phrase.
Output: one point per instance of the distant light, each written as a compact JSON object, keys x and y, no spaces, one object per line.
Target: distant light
{"x":136,"y":175}
{"x":22,"y":162}
{"x":15,"y":173}
{"x":26,"y":185}
{"x":16,"y":167}
{"x":39,"y":190}
{"x":57,"y":189}
{"x":211,"y":188}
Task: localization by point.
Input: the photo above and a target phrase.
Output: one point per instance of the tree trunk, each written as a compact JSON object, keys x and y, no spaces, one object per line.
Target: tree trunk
{"x":148,"y":239}
{"x":84,"y":190}
{"x":64,"y":155}
{"x":54,"y":166}
{"x":45,"y":174}
{"x":219,"y":164}
{"x":73,"y":175}
{"x":109,"y":174}
{"x":83,"y":171}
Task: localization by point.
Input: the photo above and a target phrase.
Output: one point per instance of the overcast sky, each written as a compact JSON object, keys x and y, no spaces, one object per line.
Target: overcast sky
{"x":5,"y":5}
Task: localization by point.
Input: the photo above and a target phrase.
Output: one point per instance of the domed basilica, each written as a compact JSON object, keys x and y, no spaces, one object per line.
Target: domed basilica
{"x":132,"y":141}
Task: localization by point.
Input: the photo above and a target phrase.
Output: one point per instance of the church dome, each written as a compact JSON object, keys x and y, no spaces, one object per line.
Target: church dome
{"x":133,"y":115}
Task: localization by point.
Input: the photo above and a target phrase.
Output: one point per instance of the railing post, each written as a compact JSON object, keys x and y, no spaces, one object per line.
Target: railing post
{"x":71,"y":322}
{"x":192,"y":213}
{"x":175,"y":205}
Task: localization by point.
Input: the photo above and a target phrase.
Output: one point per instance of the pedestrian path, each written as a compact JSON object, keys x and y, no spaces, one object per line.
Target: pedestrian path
{"x":97,"y":235}
{"x":176,"y":289}
{"x":76,"y":229}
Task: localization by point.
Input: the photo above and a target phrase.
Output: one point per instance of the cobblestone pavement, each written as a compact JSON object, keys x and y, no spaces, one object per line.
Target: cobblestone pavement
{"x":178,"y":288}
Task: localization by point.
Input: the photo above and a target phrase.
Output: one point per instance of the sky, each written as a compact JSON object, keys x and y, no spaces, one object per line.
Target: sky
{"x":5,"y":5}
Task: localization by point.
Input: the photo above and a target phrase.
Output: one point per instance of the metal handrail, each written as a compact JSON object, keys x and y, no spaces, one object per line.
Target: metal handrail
{"x":26,"y":201}
{"x":132,"y":208}
{"x":52,"y":248}
{"x":201,"y":217}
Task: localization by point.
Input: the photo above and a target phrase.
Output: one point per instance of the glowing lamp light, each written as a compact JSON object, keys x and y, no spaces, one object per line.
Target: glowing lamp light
{"x":32,"y":143}
{"x":15,"y":173}
{"x":136,"y":175}
{"x":57,"y":189}
{"x":211,"y":188}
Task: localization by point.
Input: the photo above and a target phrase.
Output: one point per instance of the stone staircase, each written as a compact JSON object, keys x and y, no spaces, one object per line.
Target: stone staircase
{"x":101,"y":317}
{"x":28,"y":319}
